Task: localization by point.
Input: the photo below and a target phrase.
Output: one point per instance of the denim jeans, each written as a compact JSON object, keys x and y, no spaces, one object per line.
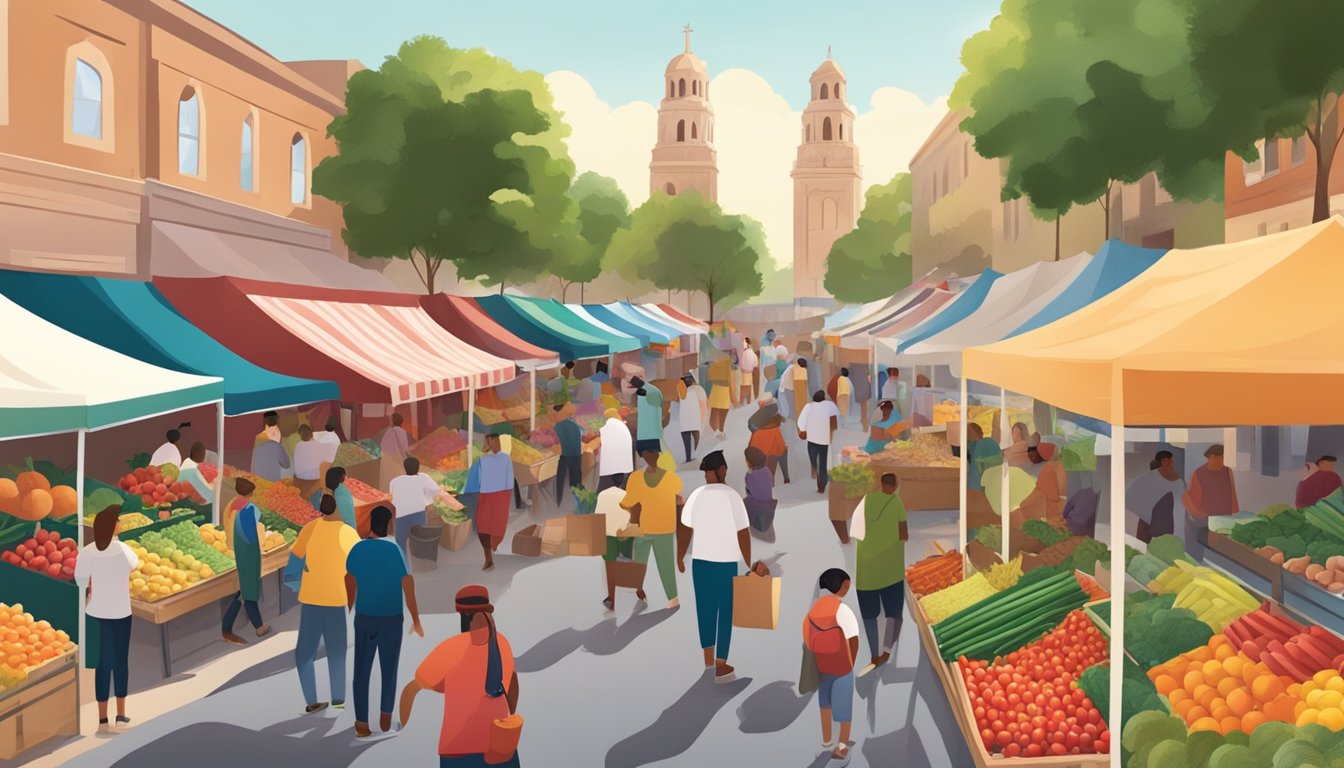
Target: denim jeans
{"x":404,"y":525}
{"x":114,"y":637}
{"x":713,"y":585}
{"x":817,"y":456}
{"x":231,"y":613}
{"x":323,"y":624}
{"x":476,"y":761}
{"x":380,"y":635}
{"x":691,"y":439}
{"x":571,"y":471}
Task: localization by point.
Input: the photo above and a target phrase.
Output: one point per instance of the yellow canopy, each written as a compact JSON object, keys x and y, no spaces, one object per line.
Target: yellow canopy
{"x":1243,"y":333}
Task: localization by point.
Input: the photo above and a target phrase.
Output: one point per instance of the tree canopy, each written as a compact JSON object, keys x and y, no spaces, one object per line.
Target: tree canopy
{"x":873,"y":259}
{"x":453,"y":155}
{"x":603,"y":210}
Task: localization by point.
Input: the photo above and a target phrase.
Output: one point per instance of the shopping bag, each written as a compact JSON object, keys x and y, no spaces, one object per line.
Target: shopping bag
{"x":505,"y":734}
{"x":628,"y":574}
{"x":294,"y":568}
{"x":454,"y":536}
{"x":809,"y":679}
{"x":586,"y":535}
{"x":756,"y":601}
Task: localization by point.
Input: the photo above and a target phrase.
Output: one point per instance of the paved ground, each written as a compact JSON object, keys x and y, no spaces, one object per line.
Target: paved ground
{"x":597,"y":689}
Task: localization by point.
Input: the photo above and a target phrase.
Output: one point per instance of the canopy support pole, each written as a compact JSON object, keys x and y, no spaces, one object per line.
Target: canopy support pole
{"x":81,"y":630}
{"x":471,"y":422}
{"x":532,"y":376}
{"x":871,"y":405}
{"x":1005,"y":431}
{"x":1230,"y":446}
{"x":1117,"y":570}
{"x":219,"y":468}
{"x":962,"y":490}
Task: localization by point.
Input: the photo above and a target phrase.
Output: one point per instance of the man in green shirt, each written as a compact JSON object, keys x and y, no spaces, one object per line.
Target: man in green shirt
{"x":880,"y":528}
{"x":570,"y":435}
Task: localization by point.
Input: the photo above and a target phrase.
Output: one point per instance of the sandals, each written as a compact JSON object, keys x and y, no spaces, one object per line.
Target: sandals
{"x":840,"y":754}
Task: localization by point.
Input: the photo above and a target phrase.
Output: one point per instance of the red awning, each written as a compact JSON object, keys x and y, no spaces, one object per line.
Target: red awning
{"x":378,"y":347}
{"x":682,"y":316}
{"x":465,"y":319}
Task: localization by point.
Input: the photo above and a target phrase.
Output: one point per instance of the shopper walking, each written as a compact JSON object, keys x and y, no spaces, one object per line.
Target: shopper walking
{"x":769,"y":440}
{"x":457,"y":667}
{"x":570,"y":436}
{"x":863,"y":393}
{"x":490,"y":478}
{"x":616,"y":451}
{"x":649,"y":415}
{"x":767,"y":358}
{"x":816,"y":424}
{"x":831,"y":633}
{"x":691,"y":414}
{"x":270,"y":460}
{"x":376,"y":580}
{"x":760,"y":499}
{"x":713,"y":527}
{"x":881,"y":530}
{"x":652,"y":497}
{"x":334,"y":485}
{"x":323,"y":545}
{"x":618,"y":523}
{"x":103,"y":571}
{"x":720,"y":393}
{"x":844,"y":394}
{"x":412,"y":493}
{"x":799,"y":385}
{"x":395,"y":445}
{"x":247,"y":555}
{"x":749,"y":363}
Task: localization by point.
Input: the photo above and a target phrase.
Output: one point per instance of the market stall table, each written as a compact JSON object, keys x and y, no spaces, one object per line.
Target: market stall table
{"x":45,"y":705}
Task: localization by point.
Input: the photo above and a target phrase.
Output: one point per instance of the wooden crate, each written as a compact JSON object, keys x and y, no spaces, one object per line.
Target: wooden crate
{"x":534,"y":474}
{"x":45,"y":706}
{"x":925,"y":487}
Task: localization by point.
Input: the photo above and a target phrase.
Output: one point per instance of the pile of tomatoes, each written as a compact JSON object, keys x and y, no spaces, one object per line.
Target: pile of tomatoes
{"x":1028,"y":704}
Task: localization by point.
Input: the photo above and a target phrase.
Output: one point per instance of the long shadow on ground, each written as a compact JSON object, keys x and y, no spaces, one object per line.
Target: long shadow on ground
{"x":221,"y":745}
{"x":603,"y":639}
{"x":678,"y":727}
{"x":772,"y":708}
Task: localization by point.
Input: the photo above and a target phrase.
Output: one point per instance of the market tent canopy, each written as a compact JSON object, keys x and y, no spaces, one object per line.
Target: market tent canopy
{"x":656,"y":312}
{"x":844,"y":314}
{"x":134,"y":319}
{"x":931,"y":305}
{"x":664,"y":329}
{"x":1240,"y":334}
{"x":602,"y":314}
{"x":640,"y":338}
{"x":1011,"y":300}
{"x":466,"y":320}
{"x":378,"y":347}
{"x":1115,"y":264}
{"x":527,"y":321}
{"x":677,"y":314}
{"x":52,"y":380}
{"x":874,"y":312}
{"x":965,"y":305}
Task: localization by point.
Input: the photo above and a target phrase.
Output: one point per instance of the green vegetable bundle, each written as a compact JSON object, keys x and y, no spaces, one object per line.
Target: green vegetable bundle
{"x":1326,"y":515}
{"x":1145,"y":567}
{"x":991,"y":536}
{"x":1168,"y":549}
{"x":856,"y":479}
{"x":1156,"y":631}
{"x":1086,"y":556}
{"x":1010,"y":619}
{"x":1044,"y":532}
{"x":274,"y":522}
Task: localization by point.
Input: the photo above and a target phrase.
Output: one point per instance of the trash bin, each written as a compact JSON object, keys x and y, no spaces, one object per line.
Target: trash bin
{"x":424,"y":542}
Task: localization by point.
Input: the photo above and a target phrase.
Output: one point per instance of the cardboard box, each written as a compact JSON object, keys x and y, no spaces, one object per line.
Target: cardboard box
{"x":527,"y":542}
{"x":840,"y":506}
{"x":553,"y":537}
{"x":628,"y":574}
{"x":925,"y":487}
{"x":586,"y":535}
{"x":756,"y":601}
{"x":454,"y":536}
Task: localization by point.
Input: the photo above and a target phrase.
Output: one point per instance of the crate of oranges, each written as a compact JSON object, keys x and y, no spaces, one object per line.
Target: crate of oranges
{"x":1216,"y":688}
{"x":27,"y":644}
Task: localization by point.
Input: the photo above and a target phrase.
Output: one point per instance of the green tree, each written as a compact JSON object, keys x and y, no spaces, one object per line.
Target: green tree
{"x":1270,"y":69}
{"x":603,"y":210}
{"x":453,"y":155}
{"x":873,"y":259}
{"x":687,"y":243}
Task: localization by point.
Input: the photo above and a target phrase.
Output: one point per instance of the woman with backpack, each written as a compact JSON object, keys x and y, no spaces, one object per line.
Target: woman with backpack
{"x":831,"y":633}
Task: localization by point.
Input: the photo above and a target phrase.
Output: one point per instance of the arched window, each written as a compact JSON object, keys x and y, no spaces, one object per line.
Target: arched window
{"x":86,"y":111}
{"x":298,"y":170}
{"x":681,"y":87}
{"x":246,"y":178}
{"x":670,"y":188}
{"x":695,"y":87}
{"x":693,"y":131}
{"x":189,"y":132}
{"x":842,"y":130}
{"x":681,"y":130}
{"x":825,"y":91}
{"x":837,"y":90}
{"x":809,"y":131}
{"x":825,"y":125}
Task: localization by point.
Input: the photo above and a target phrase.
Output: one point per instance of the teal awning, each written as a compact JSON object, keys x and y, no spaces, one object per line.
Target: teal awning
{"x":133,"y":318}
{"x":529,"y":323}
{"x":616,"y":342}
{"x":646,"y":333}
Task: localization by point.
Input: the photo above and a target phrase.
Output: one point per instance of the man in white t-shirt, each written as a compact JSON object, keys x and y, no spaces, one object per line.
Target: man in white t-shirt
{"x":713,"y":526}
{"x":748,"y":364}
{"x":308,"y":457}
{"x":615,"y":451}
{"x":818,"y":420}
{"x":411,"y":494}
{"x":329,"y":440}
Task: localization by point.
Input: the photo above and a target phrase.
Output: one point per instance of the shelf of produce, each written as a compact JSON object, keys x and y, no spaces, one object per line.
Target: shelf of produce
{"x":219,"y":587}
{"x":1248,"y":567}
{"x":44,"y":706}
{"x":1304,"y":597}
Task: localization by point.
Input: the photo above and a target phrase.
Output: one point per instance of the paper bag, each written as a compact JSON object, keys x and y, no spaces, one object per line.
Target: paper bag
{"x":553,"y":537}
{"x":527,"y":542}
{"x":756,"y":601}
{"x":586,"y":534}
{"x":455,"y":536}
{"x":628,"y":574}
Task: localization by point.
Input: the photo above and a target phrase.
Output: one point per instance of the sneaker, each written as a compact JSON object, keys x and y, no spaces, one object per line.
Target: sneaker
{"x":674,"y":604}
{"x":103,"y":726}
{"x":641,"y":596}
{"x":338,"y":705}
{"x":315,"y":708}
{"x":362,"y":730}
{"x":723,"y":673}
{"x":123,"y":721}
{"x":882,"y":659}
{"x":610,"y":605}
{"x":263,"y":630}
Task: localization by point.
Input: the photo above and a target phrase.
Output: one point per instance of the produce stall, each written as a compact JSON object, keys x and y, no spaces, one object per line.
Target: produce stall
{"x":39,"y":682}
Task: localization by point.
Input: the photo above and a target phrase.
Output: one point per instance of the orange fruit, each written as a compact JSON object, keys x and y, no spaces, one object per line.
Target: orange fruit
{"x":1206,"y":724}
{"x":1197,"y":712}
{"x":1182,"y":709}
{"x":1218,"y":640}
{"x":1252,"y":720}
{"x":1178,"y":695}
{"x":1229,"y":684}
{"x":1204,"y":694}
{"x":1213,"y":672}
{"x":1240,"y":702}
{"x":1220,"y":711}
{"x":1229,"y":724}
{"x":1165,"y":684}
{"x":1266,"y":688}
{"x":1192,"y":680}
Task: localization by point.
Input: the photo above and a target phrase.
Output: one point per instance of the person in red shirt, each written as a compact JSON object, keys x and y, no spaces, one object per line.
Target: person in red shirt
{"x":477,"y":718}
{"x":1321,"y":481}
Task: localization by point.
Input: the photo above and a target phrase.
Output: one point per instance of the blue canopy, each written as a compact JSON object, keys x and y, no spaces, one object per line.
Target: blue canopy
{"x":133,"y":318}
{"x":966,"y":303}
{"x":646,"y":331}
{"x":1114,"y":265}
{"x":841,"y":316}
{"x":530,"y":323}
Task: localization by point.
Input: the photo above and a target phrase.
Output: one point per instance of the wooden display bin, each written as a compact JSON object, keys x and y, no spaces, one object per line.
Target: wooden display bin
{"x":535,"y":474}
{"x":45,"y":706}
{"x":924,"y":488}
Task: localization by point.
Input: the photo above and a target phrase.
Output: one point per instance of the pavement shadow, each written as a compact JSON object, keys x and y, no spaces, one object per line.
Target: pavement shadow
{"x":221,"y":745}
{"x":277,"y":664}
{"x":678,"y":727}
{"x":610,"y":642}
{"x":605,"y":638}
{"x":774,"y":707}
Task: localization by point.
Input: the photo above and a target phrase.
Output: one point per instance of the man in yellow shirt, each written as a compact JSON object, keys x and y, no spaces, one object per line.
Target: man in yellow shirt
{"x":652,"y":497}
{"x":323,"y":544}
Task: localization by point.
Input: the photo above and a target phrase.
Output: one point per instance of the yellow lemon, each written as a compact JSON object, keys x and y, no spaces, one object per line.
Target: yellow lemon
{"x":1307,"y":717}
{"x":1331,"y":718}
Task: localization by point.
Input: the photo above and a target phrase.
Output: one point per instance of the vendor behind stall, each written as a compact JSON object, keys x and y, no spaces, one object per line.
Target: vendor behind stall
{"x":1321,"y":481}
{"x":982,"y":453}
{"x":191,"y":472}
{"x":1212,"y":493}
{"x":1152,"y":497}
{"x":882,"y":433}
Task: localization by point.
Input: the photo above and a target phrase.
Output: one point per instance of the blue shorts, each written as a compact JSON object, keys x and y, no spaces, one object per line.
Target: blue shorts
{"x":836,"y":693}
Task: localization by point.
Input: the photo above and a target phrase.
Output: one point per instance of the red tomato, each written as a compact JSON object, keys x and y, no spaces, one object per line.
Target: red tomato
{"x":1003,"y":738}
{"x":1093,"y":716}
{"x":987,"y":736}
{"x":1034,"y":750}
{"x":1012,"y":750}
{"x":1091,"y":729}
{"x":1058,"y":749}
{"x":1085,"y":741}
{"x":1071,"y":740}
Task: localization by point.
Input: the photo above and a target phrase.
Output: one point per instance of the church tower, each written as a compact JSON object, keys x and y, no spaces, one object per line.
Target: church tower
{"x":684,"y":156}
{"x":827,"y":183}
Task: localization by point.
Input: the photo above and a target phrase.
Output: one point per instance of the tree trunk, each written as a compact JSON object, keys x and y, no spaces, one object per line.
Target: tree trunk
{"x":501,"y":287}
{"x":709,"y":295}
{"x":1106,"y":210}
{"x":1058,"y":219}
{"x":564,"y":292}
{"x":1326,"y":143}
{"x":581,"y":301}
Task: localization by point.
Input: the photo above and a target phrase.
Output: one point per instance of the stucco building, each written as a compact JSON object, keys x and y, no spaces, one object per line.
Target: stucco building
{"x":960,"y":222}
{"x":1277,"y":191}
{"x":140,"y":137}
{"x":827,"y":182}
{"x":684,"y":156}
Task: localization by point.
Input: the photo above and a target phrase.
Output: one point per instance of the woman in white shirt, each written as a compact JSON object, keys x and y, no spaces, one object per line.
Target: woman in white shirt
{"x":104,"y":572}
{"x":169,"y":453}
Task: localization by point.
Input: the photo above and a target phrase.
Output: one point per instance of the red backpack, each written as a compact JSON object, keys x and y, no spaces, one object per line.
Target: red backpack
{"x":824,"y":637}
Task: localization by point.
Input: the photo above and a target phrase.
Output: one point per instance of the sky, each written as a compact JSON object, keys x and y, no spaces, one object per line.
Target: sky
{"x":604,"y":61}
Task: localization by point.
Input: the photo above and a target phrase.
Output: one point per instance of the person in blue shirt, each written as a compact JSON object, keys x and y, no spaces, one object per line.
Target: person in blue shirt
{"x":649,"y":416}
{"x":982,"y":453}
{"x":334,"y":484}
{"x":376,"y":579}
{"x":247,"y":555}
{"x":570,"y":435}
{"x":490,"y":478}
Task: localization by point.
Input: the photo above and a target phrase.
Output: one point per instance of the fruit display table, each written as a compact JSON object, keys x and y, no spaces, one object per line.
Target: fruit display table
{"x":210,"y":591}
{"x":44,"y":706}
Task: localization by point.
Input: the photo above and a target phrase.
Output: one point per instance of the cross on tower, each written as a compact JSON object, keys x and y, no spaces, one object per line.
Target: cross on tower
{"x":687,"y":30}
{"x":828,"y":51}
